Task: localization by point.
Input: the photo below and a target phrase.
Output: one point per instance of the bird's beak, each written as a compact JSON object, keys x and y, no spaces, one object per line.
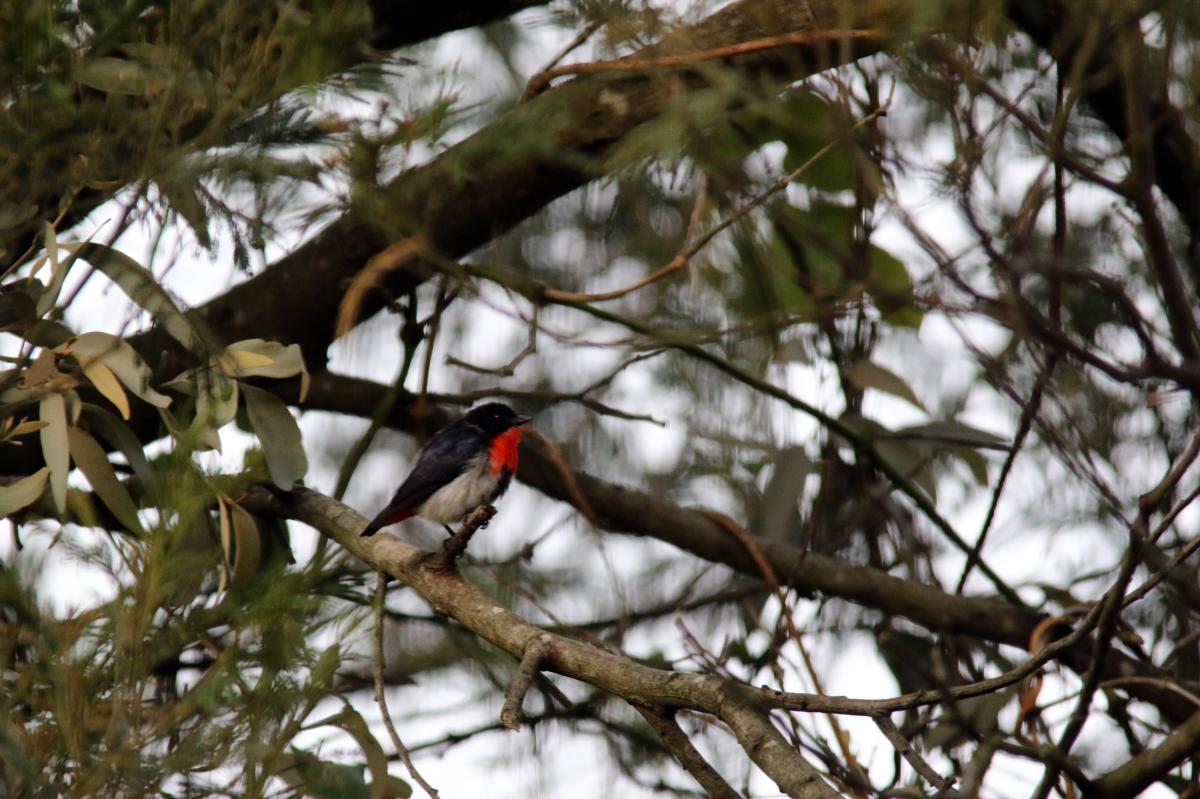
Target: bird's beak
{"x":522,"y":420}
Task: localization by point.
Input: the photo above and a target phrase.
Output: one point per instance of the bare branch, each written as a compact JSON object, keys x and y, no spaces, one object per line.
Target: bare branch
{"x":906,"y":750}
{"x":381,"y":696}
{"x":456,"y":545}
{"x":527,"y":669}
{"x":685,"y":753}
{"x":1134,"y":776}
{"x":448,"y":593}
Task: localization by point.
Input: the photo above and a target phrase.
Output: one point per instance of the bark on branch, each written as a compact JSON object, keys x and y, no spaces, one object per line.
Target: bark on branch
{"x":741,"y":708}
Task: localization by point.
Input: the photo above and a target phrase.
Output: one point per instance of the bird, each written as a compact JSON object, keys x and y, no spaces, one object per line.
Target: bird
{"x":467,"y":464}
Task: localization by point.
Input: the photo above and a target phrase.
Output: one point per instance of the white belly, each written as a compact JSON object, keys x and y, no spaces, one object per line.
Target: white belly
{"x":474,"y":487}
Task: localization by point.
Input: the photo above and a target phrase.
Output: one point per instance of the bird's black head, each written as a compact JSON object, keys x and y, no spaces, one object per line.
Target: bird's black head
{"x":494,"y":418}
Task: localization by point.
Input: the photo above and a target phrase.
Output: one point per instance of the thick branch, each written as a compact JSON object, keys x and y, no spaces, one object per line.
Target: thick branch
{"x":402,"y":24}
{"x":481,"y":187}
{"x":527,"y":669}
{"x":685,"y":753}
{"x":628,"y":510}
{"x":1139,"y":773}
{"x":449,"y":593}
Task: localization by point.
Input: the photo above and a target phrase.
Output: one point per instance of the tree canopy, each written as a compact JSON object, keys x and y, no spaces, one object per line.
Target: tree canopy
{"x":860,"y":340}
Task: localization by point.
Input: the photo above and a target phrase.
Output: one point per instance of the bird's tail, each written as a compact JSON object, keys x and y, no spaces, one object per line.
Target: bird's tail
{"x":388,"y":515}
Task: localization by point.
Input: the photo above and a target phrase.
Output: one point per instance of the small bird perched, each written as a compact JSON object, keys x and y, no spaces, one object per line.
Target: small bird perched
{"x":468,"y":463}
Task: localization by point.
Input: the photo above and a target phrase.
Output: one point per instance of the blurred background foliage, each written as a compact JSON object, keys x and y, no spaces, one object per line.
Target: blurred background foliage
{"x":947,"y":302}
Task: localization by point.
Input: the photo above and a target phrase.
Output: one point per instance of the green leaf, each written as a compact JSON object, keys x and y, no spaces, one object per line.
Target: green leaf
{"x":123,"y":360}
{"x":279,"y":434}
{"x":48,"y":333}
{"x":866,"y":374}
{"x":58,"y":271}
{"x":324,"y":780}
{"x":55,"y":447}
{"x":891,"y":286}
{"x":139,"y":284}
{"x":119,"y":76}
{"x":352,"y":722}
{"x":247,"y":556}
{"x":953,"y":432}
{"x":957,"y":440}
{"x":17,"y":310}
{"x":913,"y":462}
{"x":888,"y":275}
{"x":93,"y":462}
{"x":974,"y":461}
{"x":118,"y":436}
{"x":24,"y":492}
{"x":216,"y":406}
{"x":833,"y":171}
{"x":778,"y":514}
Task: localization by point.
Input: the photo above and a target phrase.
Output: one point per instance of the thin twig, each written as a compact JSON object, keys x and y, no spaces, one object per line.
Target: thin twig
{"x":1028,"y":412}
{"x":527,"y":669}
{"x":1164,"y":684}
{"x":389,"y":259}
{"x":541,"y":81}
{"x":662,"y":721}
{"x":509,"y":368}
{"x":684,"y":256}
{"x":539,"y":78}
{"x":456,"y":545}
{"x":909,"y":753}
{"x":579,"y":499}
{"x":768,"y":572}
{"x":382,"y":411}
{"x":381,"y":699}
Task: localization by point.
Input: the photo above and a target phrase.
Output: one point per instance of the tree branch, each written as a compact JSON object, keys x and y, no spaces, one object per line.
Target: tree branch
{"x":1135,"y":775}
{"x":447,"y":592}
{"x":627,"y":510}
{"x":685,"y":753}
{"x":527,"y":669}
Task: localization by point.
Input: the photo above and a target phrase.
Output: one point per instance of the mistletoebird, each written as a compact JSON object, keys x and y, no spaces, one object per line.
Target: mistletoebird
{"x":468,"y":463}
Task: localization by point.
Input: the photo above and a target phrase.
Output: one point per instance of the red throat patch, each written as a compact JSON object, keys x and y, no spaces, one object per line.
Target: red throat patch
{"x":503,"y":454}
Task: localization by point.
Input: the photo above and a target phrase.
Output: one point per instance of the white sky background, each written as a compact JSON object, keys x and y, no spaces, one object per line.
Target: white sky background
{"x":547,"y":763}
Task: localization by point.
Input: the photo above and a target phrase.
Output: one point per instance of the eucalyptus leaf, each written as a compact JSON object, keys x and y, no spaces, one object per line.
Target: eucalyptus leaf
{"x":24,"y":492}
{"x":56,"y":447}
{"x":140,"y":285}
{"x":216,"y":406}
{"x":891,"y":286}
{"x":122,"y":359}
{"x":866,"y":374}
{"x":107,"y":384}
{"x":778,"y":514}
{"x":247,"y":553}
{"x":353,"y":723}
{"x":17,"y":310}
{"x":58,"y":271}
{"x":279,"y":434}
{"x":118,"y":436}
{"x":953,"y":432}
{"x":91,"y":459}
{"x":254,"y":357}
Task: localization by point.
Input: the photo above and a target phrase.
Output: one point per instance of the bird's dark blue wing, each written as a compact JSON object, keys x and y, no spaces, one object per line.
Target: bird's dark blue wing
{"x":444,"y":458}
